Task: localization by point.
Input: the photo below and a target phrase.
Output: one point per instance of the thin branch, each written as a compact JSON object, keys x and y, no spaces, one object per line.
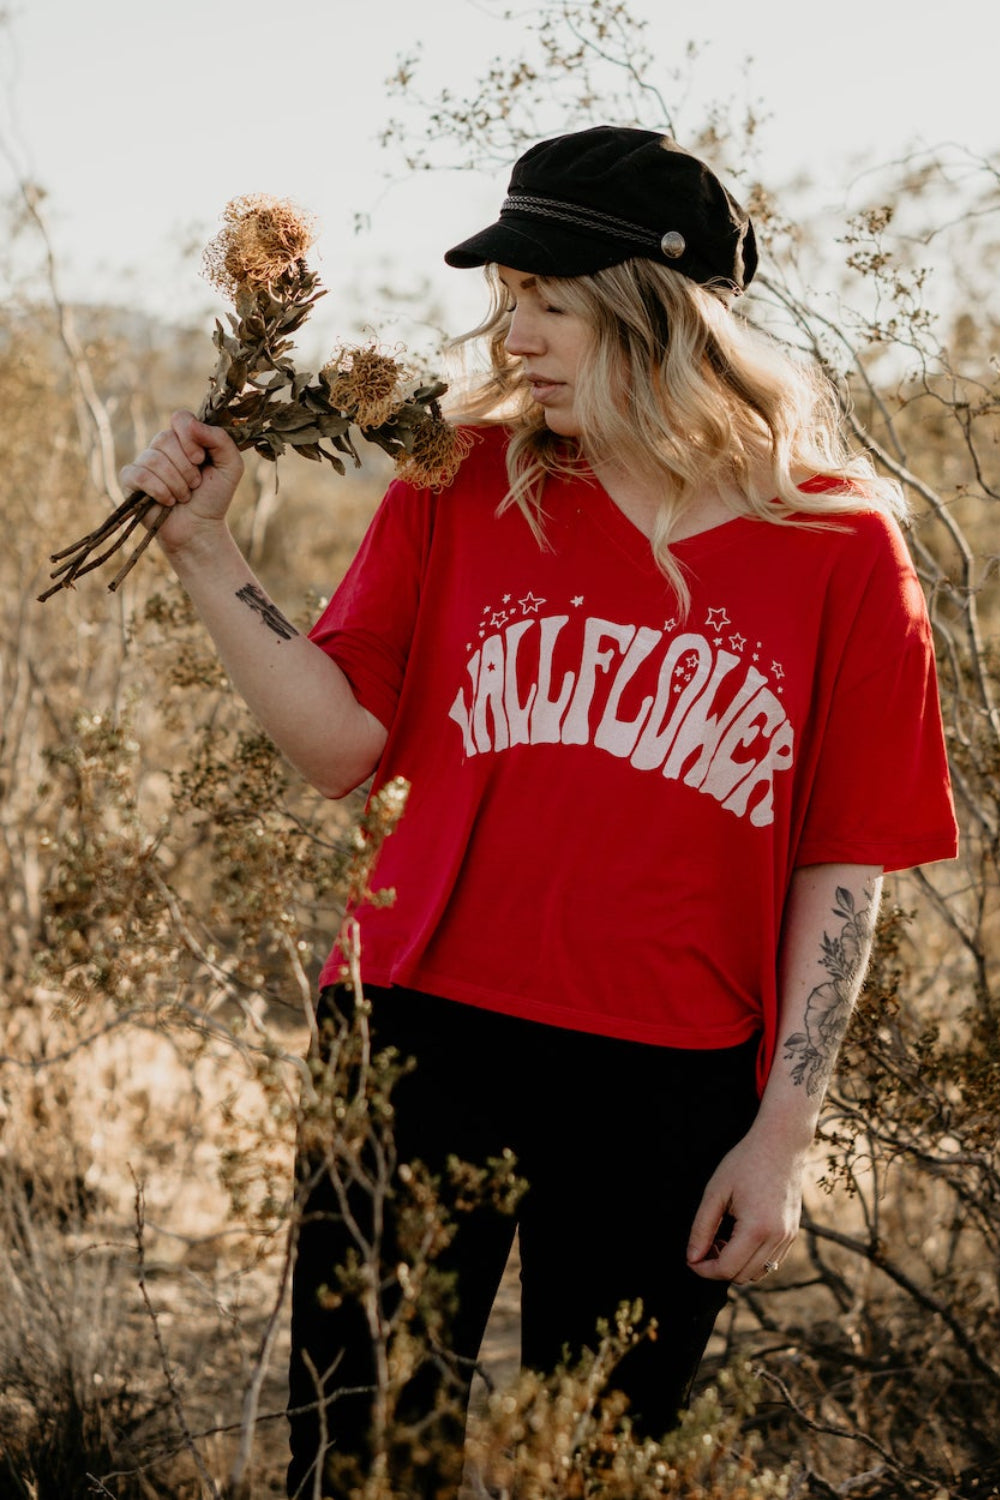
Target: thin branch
{"x":36,"y":1064}
{"x":955,"y":532}
{"x":830,"y":1429}
{"x":876,"y":1257}
{"x":626,"y":63}
{"x":168,"y":1374}
{"x":96,"y":409}
{"x":251,"y":1397}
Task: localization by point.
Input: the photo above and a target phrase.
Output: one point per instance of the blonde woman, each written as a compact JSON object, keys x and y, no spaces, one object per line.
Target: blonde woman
{"x":659,"y":672}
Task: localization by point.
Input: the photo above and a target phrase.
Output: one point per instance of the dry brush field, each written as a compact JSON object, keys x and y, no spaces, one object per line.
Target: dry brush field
{"x":171,"y":889}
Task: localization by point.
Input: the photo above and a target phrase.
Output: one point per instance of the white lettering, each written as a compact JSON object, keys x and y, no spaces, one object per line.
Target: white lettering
{"x":701,"y":730}
{"x":517,"y":712}
{"x":779,"y":757}
{"x":458,"y":710}
{"x":763,"y":713}
{"x":677,"y":688}
{"x":681,"y":729}
{"x":576,"y":725}
{"x":619,"y":735}
{"x":546,"y":713}
{"x":490,"y":696}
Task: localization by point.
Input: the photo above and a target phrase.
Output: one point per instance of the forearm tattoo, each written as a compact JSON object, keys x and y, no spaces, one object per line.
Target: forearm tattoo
{"x":828,"y":1009}
{"x":269,"y":613}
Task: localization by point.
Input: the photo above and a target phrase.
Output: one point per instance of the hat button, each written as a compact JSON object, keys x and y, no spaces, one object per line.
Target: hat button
{"x":672,"y":244}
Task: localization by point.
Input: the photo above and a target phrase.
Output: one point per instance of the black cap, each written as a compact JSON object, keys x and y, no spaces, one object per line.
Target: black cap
{"x":584,"y":201}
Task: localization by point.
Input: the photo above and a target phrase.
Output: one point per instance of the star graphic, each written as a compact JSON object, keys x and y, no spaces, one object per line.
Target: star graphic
{"x":576,"y":601}
{"x":486,"y":609}
{"x":737,"y":642}
{"x":670,"y":624}
{"x":717,"y":640}
{"x":756,"y":656}
{"x":530,"y":604}
{"x":717,"y":618}
{"x":491,"y":666}
{"x":777,"y":669}
{"x":505,"y":599}
{"x":498,"y":619}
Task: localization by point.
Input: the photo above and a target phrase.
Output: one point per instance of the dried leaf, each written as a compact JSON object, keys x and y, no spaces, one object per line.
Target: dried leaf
{"x":332,"y":424}
{"x":274,"y":382}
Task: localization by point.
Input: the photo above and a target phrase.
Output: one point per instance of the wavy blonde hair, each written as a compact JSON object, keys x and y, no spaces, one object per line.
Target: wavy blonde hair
{"x":679,"y":381}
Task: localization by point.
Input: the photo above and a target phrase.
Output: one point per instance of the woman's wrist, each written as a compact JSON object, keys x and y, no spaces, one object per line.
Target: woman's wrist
{"x":205,"y":543}
{"x":789,"y":1122}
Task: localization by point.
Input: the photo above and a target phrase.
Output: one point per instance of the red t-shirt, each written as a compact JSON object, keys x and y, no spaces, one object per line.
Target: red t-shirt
{"x":607,"y":800}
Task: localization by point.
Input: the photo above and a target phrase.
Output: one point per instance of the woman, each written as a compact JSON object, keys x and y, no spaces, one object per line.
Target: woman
{"x":659,"y":672}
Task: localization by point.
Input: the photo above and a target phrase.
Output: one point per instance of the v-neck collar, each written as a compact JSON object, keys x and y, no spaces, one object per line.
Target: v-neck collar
{"x":613,"y":521}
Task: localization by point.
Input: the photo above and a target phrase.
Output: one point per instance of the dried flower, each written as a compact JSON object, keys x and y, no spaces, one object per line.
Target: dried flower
{"x":262,"y":239}
{"x":258,"y":396}
{"x":364,"y":383}
{"x":436,"y":454}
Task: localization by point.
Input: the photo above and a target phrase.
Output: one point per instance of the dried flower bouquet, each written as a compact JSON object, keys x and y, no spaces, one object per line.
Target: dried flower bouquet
{"x":257,"y":395}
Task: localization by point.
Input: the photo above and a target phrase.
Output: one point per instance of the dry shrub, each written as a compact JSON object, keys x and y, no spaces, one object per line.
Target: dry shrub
{"x":560,"y":1438}
{"x":77,"y":1397}
{"x":154,"y":999}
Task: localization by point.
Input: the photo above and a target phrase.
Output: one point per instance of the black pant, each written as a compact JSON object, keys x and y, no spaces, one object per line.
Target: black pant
{"x":616,"y":1140}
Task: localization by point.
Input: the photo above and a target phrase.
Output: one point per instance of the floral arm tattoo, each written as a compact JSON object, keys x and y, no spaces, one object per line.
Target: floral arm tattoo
{"x":828,"y":1008}
{"x":269,"y":613}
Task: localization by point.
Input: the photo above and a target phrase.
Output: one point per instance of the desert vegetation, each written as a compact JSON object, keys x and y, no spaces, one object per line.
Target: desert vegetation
{"x":171,"y":889}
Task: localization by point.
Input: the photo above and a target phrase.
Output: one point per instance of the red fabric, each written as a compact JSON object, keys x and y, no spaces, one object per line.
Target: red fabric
{"x":608,"y":802}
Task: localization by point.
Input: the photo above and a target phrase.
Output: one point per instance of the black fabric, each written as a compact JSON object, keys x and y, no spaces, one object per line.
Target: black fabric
{"x":616,"y":1140}
{"x":591,"y":199}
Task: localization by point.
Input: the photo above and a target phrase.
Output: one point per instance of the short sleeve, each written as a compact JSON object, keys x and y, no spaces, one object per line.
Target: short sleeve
{"x":368,"y":625}
{"x":881,"y":793}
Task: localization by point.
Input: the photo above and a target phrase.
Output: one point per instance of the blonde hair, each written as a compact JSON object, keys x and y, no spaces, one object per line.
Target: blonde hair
{"x":693,"y":394}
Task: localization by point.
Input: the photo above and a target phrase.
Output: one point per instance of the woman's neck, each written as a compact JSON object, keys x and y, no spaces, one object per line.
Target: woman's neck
{"x":640,"y":501}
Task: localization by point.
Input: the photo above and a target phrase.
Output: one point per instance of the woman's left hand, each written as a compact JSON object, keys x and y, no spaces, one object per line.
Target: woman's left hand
{"x":749,"y":1212}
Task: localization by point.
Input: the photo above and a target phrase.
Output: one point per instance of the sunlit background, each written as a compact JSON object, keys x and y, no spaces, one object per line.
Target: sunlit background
{"x":142,"y":121}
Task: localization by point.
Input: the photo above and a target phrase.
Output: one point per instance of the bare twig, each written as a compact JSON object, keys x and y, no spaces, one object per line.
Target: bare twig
{"x":251,"y":1397}
{"x":168,"y":1374}
{"x":877,"y":1257}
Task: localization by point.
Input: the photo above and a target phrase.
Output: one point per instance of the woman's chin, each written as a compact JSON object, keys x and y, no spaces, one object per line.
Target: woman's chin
{"x":563,"y":423}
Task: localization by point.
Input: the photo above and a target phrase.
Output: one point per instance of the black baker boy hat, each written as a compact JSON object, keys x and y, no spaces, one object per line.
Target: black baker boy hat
{"x":594,"y":198}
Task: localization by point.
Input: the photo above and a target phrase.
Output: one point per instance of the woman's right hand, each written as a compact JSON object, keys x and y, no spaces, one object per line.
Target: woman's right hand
{"x":192,"y":468}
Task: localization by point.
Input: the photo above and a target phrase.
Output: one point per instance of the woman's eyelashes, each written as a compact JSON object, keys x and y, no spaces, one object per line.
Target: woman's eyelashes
{"x":548,"y":307}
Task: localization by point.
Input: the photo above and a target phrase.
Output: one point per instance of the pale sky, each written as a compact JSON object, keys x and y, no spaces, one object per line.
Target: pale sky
{"x":141,"y":120}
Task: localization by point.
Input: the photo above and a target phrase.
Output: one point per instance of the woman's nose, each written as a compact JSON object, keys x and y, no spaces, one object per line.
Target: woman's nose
{"x":523,"y":336}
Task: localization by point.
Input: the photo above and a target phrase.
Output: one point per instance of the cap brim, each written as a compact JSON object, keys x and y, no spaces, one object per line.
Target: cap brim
{"x":548,"y":249}
{"x":515,"y":243}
